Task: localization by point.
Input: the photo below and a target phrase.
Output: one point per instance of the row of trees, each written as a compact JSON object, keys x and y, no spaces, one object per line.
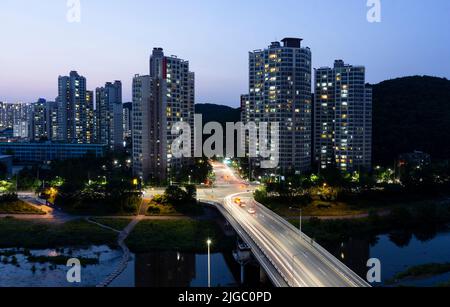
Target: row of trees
{"x":86,"y":185}
{"x":104,"y":185}
{"x":332,"y":184}
{"x":198,"y":173}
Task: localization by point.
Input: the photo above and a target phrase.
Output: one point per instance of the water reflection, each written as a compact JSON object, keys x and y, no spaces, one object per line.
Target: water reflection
{"x":165,"y":269}
{"x":397,"y":251}
{"x":35,"y":274}
{"x":173,"y":269}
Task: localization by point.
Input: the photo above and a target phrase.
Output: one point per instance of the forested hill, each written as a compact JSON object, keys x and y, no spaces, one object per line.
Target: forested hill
{"x":218,"y":113}
{"x":411,"y":113}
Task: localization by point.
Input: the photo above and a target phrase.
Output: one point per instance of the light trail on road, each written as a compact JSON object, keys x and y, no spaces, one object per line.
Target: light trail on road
{"x":301,"y":262}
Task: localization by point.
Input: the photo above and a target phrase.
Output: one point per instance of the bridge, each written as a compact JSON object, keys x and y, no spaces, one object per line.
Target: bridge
{"x":289,"y":257}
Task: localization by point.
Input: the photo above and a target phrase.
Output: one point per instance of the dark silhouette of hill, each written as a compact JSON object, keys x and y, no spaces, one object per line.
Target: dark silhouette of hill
{"x":411,"y":113}
{"x":218,"y":113}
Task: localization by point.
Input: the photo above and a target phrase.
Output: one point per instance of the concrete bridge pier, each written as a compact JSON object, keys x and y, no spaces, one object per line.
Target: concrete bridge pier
{"x":243,"y":256}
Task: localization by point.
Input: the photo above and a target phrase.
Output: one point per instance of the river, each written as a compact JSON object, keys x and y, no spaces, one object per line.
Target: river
{"x":397,"y":252}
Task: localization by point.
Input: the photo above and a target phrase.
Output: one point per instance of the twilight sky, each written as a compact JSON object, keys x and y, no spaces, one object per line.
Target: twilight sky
{"x":115,"y":38}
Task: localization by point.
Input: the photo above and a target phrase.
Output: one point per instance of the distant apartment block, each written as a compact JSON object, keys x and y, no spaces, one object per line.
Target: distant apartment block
{"x":44,"y":122}
{"x":160,"y":100}
{"x":16,"y":116}
{"x":280,"y":92}
{"x":76,"y":110}
{"x":21,"y":130}
{"x":342,"y":118}
{"x":109,"y":115}
{"x":127,"y":120}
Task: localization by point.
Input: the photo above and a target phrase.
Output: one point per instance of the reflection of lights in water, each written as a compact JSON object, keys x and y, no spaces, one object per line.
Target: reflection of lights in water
{"x":178,"y":257}
{"x":342,"y":256}
{"x":52,"y":253}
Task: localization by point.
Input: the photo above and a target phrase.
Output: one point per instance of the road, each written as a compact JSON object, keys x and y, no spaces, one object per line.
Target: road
{"x":299,"y":260}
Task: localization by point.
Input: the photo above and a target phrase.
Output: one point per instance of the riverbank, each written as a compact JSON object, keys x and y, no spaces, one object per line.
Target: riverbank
{"x":185,"y":235}
{"x":35,"y":234}
{"x":420,"y":272}
{"x":351,"y":208}
{"x":426,"y":218}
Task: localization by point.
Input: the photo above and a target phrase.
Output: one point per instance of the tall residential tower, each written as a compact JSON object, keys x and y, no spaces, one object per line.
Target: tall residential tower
{"x":160,"y":100}
{"x":342,"y":118}
{"x":76,"y":110}
{"x":280,"y":92}
{"x":109,"y":115}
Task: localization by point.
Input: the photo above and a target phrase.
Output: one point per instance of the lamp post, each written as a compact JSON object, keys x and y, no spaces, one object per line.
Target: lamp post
{"x":209,"y":242}
{"x":300,"y":225}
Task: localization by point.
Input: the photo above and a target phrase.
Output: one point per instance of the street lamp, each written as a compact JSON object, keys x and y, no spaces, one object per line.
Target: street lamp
{"x":209,"y":242}
{"x":300,"y":224}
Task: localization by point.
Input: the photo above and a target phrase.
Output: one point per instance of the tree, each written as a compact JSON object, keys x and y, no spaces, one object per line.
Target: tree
{"x":175,"y":195}
{"x":191,"y":192}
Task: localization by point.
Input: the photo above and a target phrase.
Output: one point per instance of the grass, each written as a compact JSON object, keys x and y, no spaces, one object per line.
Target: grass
{"x":41,"y":235}
{"x":155,"y":209}
{"x":444,"y":285}
{"x":19,"y":207}
{"x":421,"y":271}
{"x":319,"y":208}
{"x":117,"y":224}
{"x":423,"y":220}
{"x":180,"y":235}
{"x":315,"y":208}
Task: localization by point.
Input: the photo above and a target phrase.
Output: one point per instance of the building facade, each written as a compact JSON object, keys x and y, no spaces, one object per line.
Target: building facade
{"x":342,"y":118}
{"x":109,"y":115}
{"x":144,"y":159}
{"x":170,"y":100}
{"x":44,"y":122}
{"x":18,"y":117}
{"x":41,"y":152}
{"x":280,"y":92}
{"x":40,"y":120}
{"x":127,"y":120}
{"x":76,"y":110}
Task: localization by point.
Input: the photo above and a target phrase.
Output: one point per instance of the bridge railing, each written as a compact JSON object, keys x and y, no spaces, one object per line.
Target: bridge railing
{"x":255,"y":247}
{"x":344,"y":270}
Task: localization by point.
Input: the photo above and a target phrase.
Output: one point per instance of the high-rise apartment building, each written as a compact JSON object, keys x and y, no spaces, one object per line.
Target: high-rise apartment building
{"x":342,"y":118}
{"x":109,"y":115}
{"x":88,"y":119}
{"x":171,"y":99}
{"x":127,"y":120}
{"x":14,"y":114}
{"x":144,"y":158}
{"x":76,"y":110}
{"x":40,"y":120}
{"x":52,"y":128}
{"x":280,"y":92}
{"x":44,"y":120}
{"x":16,"y":117}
